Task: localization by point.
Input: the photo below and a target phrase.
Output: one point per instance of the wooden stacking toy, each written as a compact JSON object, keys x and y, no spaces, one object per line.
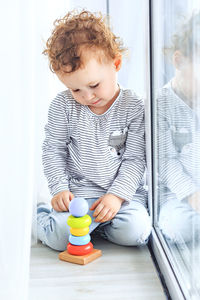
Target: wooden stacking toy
{"x":79,"y":249}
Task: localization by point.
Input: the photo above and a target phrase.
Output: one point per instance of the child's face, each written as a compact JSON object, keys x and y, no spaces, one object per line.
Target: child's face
{"x":94,"y":85}
{"x":187,"y":73}
{"x":192,"y":80}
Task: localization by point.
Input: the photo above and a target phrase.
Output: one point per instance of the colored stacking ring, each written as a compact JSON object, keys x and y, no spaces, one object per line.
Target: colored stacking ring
{"x":79,"y":250}
{"x":78,"y":207}
{"x":79,"y":240}
{"x":79,"y":231}
{"x":81,"y":222}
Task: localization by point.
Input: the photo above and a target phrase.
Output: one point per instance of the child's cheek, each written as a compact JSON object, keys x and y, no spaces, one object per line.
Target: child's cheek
{"x":77,"y":98}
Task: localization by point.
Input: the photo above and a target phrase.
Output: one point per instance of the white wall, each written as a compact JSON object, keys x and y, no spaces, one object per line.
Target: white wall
{"x":130,"y":21}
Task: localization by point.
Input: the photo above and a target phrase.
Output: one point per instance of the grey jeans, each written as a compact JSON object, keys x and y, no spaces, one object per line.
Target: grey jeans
{"x":130,"y":227}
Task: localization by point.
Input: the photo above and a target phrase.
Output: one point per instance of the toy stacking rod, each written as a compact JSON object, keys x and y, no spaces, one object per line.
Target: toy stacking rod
{"x":79,"y":249}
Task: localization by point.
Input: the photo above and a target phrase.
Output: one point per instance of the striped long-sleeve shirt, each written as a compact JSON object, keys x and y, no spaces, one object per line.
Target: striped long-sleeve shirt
{"x":90,"y":154}
{"x":178,"y":141}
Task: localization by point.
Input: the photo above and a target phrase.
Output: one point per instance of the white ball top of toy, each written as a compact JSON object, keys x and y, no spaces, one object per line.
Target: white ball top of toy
{"x":78,"y":207}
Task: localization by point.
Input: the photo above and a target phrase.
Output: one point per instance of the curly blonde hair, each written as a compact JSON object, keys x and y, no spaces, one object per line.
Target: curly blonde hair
{"x":76,"y":32}
{"x":187,"y":37}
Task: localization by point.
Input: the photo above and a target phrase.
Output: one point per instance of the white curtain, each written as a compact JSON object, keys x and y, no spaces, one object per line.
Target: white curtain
{"x":17,"y":147}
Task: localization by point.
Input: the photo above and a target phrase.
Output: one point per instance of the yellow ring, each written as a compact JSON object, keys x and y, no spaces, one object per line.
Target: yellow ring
{"x":79,"y":231}
{"x":79,"y":222}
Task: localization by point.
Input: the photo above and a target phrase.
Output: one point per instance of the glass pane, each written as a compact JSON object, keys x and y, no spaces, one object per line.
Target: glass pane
{"x":176,"y":140}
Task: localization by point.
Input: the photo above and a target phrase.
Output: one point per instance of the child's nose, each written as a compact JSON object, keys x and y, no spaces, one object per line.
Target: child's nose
{"x":88,"y":95}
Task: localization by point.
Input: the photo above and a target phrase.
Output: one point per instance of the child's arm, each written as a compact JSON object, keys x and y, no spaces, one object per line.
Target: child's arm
{"x":55,"y":146}
{"x":194,"y":201}
{"x":172,"y":173}
{"x":131,"y":170}
{"x":132,"y":167}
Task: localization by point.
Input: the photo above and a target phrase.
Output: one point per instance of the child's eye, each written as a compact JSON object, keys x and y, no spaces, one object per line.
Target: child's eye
{"x":75,"y":91}
{"x":94,"y":86}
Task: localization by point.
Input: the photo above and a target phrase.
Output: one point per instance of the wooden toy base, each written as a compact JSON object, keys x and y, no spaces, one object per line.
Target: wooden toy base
{"x":81,"y":260}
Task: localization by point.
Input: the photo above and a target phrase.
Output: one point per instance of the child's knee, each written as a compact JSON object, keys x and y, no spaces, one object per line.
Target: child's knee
{"x":53,"y":231}
{"x":57,"y":238}
{"x":138,"y":230}
{"x":132,"y":231}
{"x":177,"y":229}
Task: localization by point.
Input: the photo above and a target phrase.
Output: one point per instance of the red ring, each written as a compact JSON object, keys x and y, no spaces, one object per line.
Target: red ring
{"x":79,"y":250}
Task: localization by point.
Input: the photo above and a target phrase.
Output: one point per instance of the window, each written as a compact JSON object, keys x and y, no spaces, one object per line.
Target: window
{"x":176,"y":137}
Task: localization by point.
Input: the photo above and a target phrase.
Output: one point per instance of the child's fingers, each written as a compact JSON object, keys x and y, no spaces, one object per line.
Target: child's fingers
{"x":60,"y":205}
{"x":55,"y":206}
{"x":107,"y":217}
{"x":66,"y":203}
{"x":94,"y":205}
{"x":66,"y":199}
{"x":103,"y":214}
{"x":99,"y":207}
{"x":71,"y":196}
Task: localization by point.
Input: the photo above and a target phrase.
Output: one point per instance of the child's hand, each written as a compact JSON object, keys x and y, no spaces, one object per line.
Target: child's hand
{"x":106,"y":207}
{"x":194,"y":201}
{"x":60,"y":202}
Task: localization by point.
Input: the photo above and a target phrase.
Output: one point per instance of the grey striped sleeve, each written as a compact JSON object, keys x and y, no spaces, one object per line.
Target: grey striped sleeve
{"x":132,"y":166}
{"x":175,"y":129}
{"x":55,"y":146}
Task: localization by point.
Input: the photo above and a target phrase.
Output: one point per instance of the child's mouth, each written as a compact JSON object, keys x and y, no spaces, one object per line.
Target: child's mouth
{"x":96,"y":101}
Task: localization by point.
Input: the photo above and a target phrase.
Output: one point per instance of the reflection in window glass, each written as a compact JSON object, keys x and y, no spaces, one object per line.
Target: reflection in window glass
{"x":177,"y":137}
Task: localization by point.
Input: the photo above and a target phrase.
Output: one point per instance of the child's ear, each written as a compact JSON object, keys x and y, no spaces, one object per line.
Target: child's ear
{"x":118,"y":62}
